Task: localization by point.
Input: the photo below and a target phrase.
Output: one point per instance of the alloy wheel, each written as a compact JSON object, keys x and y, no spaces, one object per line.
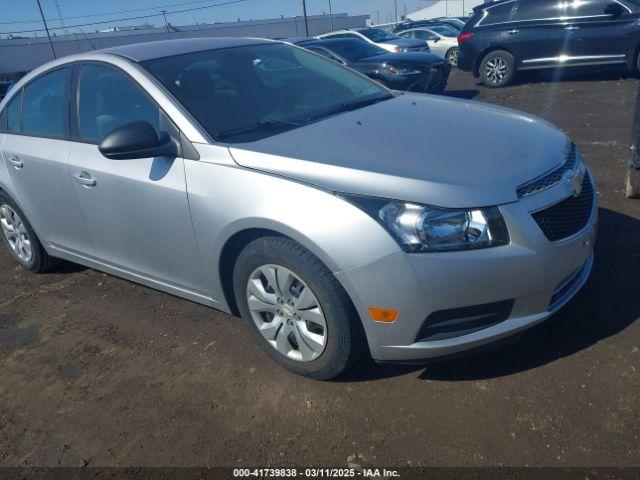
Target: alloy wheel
{"x":16,"y":233}
{"x":287,"y":313}
{"x":453,"y":57}
{"x":496,"y":70}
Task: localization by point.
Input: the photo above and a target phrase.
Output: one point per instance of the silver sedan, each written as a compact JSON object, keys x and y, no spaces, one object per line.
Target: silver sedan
{"x":442,"y":40}
{"x":333,"y":215}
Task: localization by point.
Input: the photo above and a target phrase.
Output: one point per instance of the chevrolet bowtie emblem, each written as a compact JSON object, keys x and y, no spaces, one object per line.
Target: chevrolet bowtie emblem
{"x":576,"y":181}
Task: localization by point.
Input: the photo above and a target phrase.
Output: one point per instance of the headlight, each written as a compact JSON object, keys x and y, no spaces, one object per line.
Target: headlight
{"x":419,"y":228}
{"x":400,"y":49}
{"x":402,"y":70}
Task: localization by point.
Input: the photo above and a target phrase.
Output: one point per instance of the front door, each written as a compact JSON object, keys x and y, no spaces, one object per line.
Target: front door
{"x":601,"y":31}
{"x":137,"y":210}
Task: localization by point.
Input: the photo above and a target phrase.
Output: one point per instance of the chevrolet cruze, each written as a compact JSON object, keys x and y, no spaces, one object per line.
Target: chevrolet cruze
{"x":338,"y":218}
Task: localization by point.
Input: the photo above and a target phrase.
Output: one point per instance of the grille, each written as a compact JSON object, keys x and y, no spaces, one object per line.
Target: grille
{"x":549,"y":179}
{"x":568,"y":217}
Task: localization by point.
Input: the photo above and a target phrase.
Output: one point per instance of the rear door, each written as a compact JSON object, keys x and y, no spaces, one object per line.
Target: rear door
{"x":137,"y":210}
{"x":35,"y":150}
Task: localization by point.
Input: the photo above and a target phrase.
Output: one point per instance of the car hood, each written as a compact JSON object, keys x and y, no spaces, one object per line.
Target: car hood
{"x":419,"y":148}
{"x":403,"y":58}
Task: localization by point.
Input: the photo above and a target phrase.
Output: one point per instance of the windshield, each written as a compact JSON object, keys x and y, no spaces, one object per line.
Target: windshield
{"x":354,"y":50}
{"x":378,"y":35}
{"x":243,"y":94}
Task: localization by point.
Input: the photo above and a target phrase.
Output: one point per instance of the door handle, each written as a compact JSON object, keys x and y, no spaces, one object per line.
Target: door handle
{"x":513,"y":32}
{"x":85,"y":179}
{"x":571,"y":29}
{"x":16,"y":162}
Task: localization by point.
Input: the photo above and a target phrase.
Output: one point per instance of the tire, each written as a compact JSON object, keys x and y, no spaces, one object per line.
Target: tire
{"x":20,"y":239}
{"x":633,"y":183}
{"x":323,"y":352}
{"x":452,"y":56}
{"x":497,"y":69}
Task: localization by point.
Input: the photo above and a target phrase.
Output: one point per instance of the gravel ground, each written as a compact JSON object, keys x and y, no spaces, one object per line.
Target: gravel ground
{"x":98,"y":371}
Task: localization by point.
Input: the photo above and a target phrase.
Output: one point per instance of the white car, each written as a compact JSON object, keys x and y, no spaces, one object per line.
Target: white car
{"x":442,"y":40}
{"x":389,"y":41}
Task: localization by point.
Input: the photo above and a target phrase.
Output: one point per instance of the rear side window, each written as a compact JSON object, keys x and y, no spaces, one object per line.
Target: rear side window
{"x":425,"y":35}
{"x":45,"y":109}
{"x":528,"y":10}
{"x":108,"y":99}
{"x":497,"y":14}
{"x":14,"y":114}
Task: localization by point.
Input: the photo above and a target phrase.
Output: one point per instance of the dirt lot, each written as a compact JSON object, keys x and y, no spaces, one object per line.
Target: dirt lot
{"x":99,"y":371}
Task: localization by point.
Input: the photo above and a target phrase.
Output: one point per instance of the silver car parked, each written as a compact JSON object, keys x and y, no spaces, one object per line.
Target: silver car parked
{"x":335,"y":216}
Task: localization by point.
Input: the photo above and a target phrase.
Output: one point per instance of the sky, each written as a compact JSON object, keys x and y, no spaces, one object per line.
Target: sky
{"x":15,"y":11}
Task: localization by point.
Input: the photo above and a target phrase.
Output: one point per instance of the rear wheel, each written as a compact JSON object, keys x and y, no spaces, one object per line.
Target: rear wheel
{"x":452,"y":56}
{"x":298,"y":312}
{"x":497,"y":69}
{"x":21,"y":240}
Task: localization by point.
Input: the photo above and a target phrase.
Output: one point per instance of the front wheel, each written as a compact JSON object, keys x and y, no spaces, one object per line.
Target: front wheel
{"x":452,"y":56}
{"x":298,"y":312}
{"x":497,"y":69}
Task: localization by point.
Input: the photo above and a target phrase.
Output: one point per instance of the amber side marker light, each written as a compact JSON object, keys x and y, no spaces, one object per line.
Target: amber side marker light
{"x":383,"y":315}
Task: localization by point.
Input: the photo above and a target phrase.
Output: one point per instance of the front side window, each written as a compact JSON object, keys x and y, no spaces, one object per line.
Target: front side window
{"x":14,"y":114}
{"x":45,"y":109}
{"x":108,"y":99}
{"x":246,"y":93}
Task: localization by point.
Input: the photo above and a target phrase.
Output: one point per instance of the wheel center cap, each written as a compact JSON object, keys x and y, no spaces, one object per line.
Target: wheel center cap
{"x":287,"y":312}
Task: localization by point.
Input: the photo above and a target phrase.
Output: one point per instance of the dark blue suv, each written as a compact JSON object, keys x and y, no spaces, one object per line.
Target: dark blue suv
{"x":506,"y":36}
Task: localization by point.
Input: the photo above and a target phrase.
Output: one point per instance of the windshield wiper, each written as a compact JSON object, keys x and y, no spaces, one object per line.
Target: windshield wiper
{"x":348,"y":106}
{"x":261,"y":126}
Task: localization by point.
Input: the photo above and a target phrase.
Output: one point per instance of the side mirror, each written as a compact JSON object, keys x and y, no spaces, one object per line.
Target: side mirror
{"x":615,"y":9}
{"x":436,"y":40}
{"x":138,"y":140}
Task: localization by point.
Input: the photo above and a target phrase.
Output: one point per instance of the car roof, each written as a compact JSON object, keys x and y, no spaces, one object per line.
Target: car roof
{"x":140,"y":52}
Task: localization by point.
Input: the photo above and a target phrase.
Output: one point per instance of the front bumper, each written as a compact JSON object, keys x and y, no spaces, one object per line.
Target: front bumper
{"x":534,"y":276}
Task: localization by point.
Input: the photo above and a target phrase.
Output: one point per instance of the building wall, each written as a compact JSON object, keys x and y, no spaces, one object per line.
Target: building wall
{"x":445,"y":8}
{"x":23,"y":55}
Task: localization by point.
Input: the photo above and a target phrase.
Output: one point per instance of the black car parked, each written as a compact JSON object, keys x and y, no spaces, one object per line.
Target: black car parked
{"x":507,"y":36}
{"x":411,"y":71}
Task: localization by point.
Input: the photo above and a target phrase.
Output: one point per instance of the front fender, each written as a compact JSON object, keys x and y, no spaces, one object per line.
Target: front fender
{"x":226,"y":199}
